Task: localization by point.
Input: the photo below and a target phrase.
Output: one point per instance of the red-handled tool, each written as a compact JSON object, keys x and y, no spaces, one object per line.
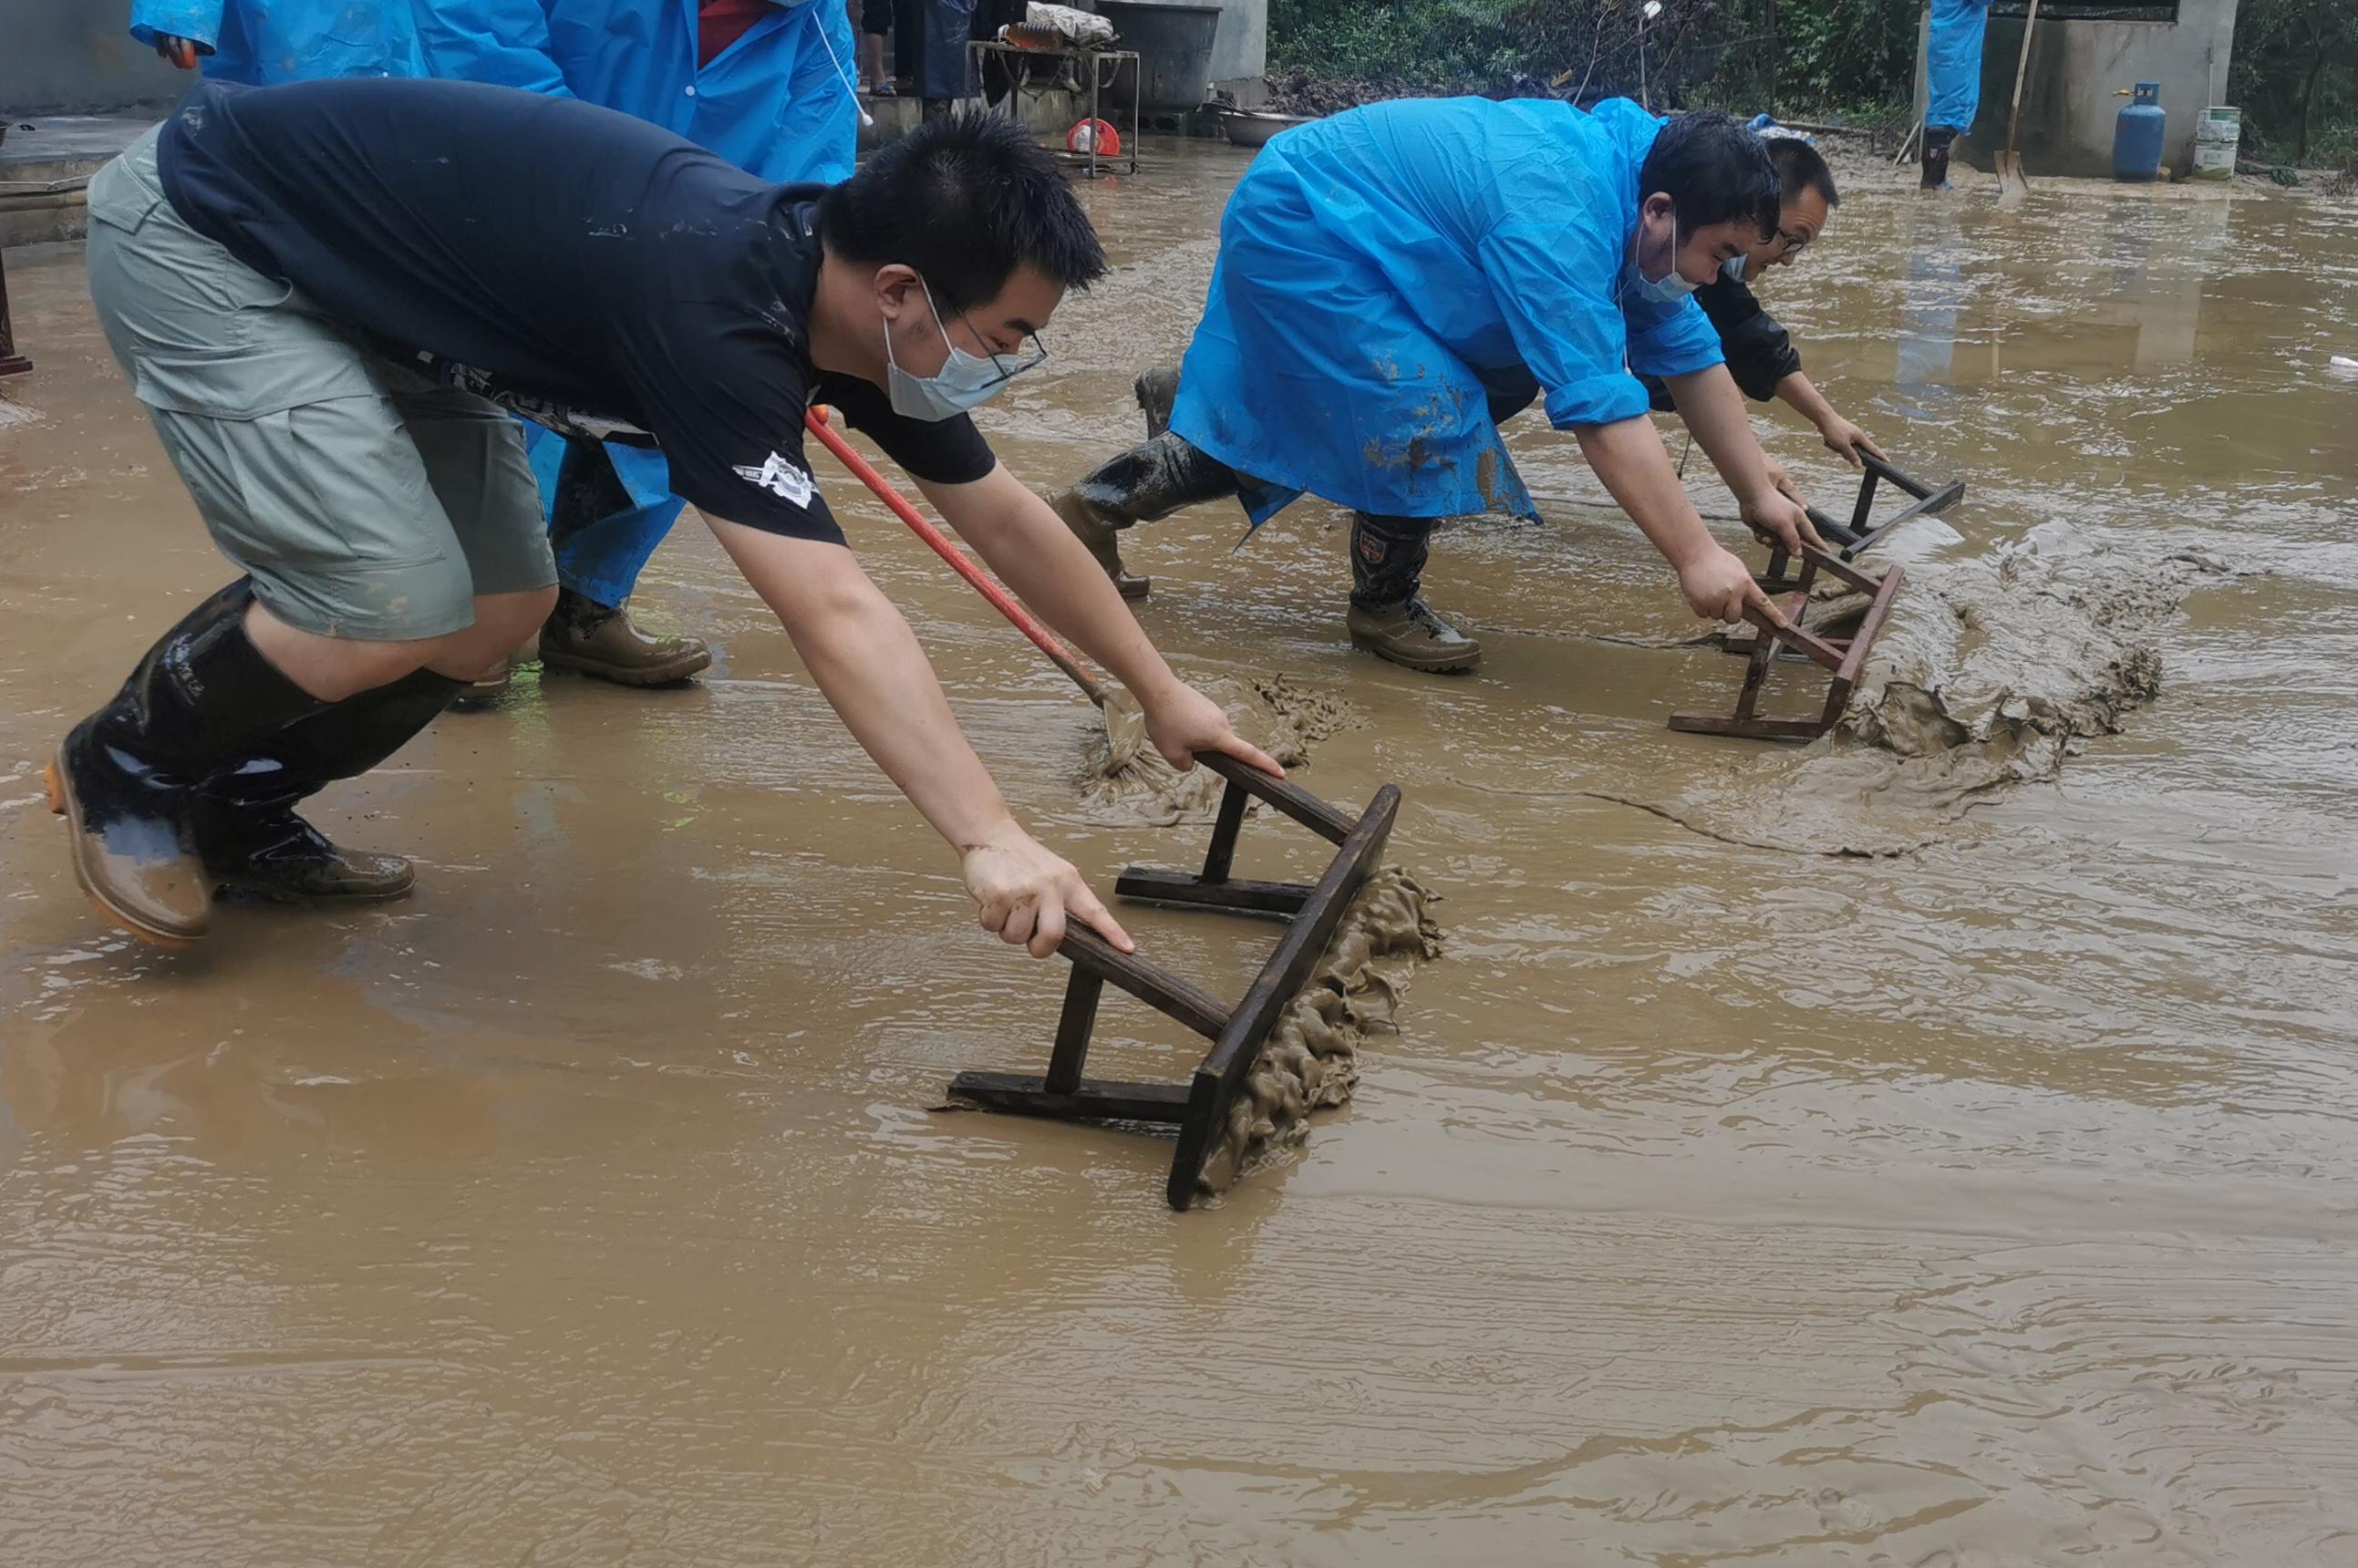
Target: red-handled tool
{"x":816,"y":421}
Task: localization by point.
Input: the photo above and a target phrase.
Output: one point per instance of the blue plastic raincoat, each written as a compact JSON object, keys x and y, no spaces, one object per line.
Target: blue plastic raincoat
{"x":778,"y":102}
{"x":260,"y":42}
{"x":1378,"y":266}
{"x":1952,"y":63}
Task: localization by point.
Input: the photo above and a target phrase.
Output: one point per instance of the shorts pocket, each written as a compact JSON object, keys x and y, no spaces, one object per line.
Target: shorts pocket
{"x":118,"y":200}
{"x":329,"y":487}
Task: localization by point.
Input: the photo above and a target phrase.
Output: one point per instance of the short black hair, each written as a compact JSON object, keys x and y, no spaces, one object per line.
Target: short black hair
{"x":1801,"y":166}
{"x":965,"y":200}
{"x":1713,"y":169}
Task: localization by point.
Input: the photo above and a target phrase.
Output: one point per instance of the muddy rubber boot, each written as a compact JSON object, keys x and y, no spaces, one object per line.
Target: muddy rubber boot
{"x":123,"y":778}
{"x":599,"y":641}
{"x":1156,"y":390}
{"x":244,"y":825}
{"x":1936,"y":160}
{"x":1387,"y":617}
{"x":485,"y":690}
{"x":1103,"y":539}
{"x":1145,"y":484}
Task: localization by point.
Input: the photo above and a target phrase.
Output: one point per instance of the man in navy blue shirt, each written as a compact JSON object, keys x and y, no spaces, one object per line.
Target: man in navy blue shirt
{"x":328,"y":296}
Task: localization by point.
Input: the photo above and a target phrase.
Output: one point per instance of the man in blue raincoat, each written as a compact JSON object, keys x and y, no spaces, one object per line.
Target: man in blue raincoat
{"x":1394,"y":280}
{"x":290,"y":40}
{"x":1952,"y":80}
{"x":764,"y":83}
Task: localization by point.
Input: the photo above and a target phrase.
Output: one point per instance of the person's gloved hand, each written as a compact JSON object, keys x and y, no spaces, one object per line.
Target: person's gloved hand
{"x":1718,"y":586}
{"x":1844,"y":439}
{"x":182,"y":52}
{"x":1779,"y":519}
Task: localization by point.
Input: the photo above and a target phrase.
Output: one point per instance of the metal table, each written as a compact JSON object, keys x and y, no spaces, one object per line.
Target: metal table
{"x":1101,"y":69}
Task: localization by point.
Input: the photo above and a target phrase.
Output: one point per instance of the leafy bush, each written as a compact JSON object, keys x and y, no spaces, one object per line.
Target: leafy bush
{"x":2295,"y":75}
{"x":1833,"y":52}
{"x":1418,"y":43}
{"x":1847,"y":51}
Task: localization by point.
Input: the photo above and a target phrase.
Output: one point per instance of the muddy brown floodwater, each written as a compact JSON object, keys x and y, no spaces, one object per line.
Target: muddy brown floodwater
{"x":1990,"y":1203}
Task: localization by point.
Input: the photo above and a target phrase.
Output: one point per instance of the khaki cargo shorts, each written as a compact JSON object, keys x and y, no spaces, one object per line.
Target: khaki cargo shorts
{"x":366,"y":501}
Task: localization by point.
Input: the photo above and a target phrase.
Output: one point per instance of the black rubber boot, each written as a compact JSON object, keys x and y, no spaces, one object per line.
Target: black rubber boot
{"x":124,"y":779}
{"x":244,"y":824}
{"x":1156,"y":390}
{"x":1386,"y":616}
{"x":1144,"y":484}
{"x":1936,"y":158}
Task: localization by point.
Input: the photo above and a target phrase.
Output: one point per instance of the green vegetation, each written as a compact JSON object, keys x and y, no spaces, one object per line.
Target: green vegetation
{"x":1815,"y":55}
{"x":1424,"y":45}
{"x":2294,"y":74}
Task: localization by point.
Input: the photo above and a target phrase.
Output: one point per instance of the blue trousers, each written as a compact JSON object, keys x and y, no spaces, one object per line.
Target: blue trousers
{"x":600,"y":556}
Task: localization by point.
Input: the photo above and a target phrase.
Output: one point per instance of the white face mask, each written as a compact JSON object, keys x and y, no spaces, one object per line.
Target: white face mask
{"x":1669,"y":288}
{"x":1732,"y":268}
{"x":964,"y":380}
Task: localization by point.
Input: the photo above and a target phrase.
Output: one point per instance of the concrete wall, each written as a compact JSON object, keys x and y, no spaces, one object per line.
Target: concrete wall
{"x":73,"y":57}
{"x":2069,"y":106}
{"x":1240,"y":49}
{"x":1239,"y":62}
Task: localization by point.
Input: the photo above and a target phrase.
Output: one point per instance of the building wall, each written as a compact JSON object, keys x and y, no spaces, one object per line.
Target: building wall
{"x":73,"y":57}
{"x":1239,"y":54}
{"x":1240,"y":49}
{"x":2068,"y":102}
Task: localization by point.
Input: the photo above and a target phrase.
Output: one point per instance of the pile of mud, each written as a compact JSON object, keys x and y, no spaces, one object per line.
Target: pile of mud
{"x":1125,"y":782}
{"x":1987,"y":672}
{"x":1312,"y":1057}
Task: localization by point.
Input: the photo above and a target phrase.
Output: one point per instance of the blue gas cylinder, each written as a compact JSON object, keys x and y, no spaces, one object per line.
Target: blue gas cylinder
{"x":2138,"y":135}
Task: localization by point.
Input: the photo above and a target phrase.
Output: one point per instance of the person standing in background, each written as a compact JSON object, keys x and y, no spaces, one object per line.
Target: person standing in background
{"x":1952,"y":80}
{"x":765,"y":83}
{"x":875,"y":19}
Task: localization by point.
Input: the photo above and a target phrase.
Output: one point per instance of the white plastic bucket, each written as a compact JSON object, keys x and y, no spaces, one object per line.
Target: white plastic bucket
{"x":2216,"y":134}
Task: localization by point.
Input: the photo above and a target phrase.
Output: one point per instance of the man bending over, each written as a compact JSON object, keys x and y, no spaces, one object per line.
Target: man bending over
{"x":326,"y":294}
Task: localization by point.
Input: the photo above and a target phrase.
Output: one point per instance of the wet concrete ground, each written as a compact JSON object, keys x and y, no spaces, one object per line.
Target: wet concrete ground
{"x":1989,"y":1205}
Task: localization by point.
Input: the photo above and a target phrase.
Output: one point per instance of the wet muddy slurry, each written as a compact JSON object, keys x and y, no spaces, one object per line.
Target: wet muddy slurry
{"x":1978,"y":1196}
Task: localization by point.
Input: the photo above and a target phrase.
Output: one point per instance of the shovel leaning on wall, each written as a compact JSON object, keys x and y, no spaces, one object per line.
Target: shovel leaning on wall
{"x":2011,"y":185}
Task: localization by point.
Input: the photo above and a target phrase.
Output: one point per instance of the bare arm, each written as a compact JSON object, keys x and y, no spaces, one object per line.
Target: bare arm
{"x":1628,"y":457}
{"x":1035,"y":554}
{"x":1713,"y":410}
{"x":1841,"y":437}
{"x":867,"y":662}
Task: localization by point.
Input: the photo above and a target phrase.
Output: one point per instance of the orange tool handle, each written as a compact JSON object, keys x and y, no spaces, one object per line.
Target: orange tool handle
{"x":814,"y":420}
